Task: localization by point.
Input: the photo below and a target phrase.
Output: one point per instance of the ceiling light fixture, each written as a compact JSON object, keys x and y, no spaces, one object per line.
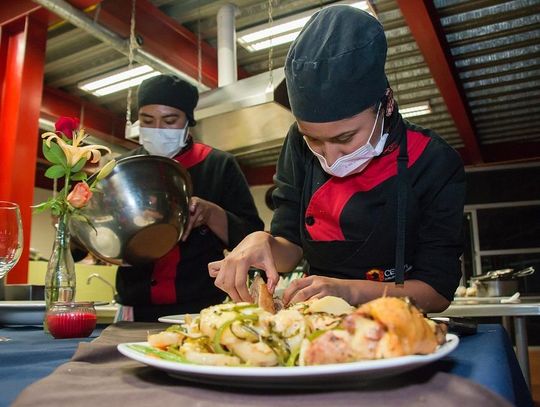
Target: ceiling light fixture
{"x":117,"y":80}
{"x":416,"y":109}
{"x":285,"y":30}
{"x":117,"y":87}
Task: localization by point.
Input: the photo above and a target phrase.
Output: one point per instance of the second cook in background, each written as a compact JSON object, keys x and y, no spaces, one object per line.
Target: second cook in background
{"x":369,"y":199}
{"x":222,"y":211}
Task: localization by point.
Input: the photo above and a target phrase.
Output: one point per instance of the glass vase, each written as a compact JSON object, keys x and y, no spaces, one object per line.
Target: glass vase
{"x":60,"y":279}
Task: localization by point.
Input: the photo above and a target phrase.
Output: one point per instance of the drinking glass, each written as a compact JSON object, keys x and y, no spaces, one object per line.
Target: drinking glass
{"x":11,"y":236}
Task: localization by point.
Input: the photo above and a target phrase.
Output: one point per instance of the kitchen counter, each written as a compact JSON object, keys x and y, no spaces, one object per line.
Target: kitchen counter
{"x":492,"y":307}
{"x":105,"y":313}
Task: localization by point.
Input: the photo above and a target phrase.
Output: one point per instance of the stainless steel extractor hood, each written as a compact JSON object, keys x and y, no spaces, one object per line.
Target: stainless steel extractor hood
{"x":248,"y":118}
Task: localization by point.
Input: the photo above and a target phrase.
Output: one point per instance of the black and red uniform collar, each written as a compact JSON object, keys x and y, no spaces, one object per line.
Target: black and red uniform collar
{"x":395,"y":127}
{"x":188,"y":146}
{"x":193,"y":153}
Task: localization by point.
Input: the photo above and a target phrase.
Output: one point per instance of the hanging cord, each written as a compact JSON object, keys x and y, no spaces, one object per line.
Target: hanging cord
{"x":132,"y":46}
{"x":81,"y":116}
{"x":96,"y":14}
{"x":199,"y":46}
{"x":271,"y":48}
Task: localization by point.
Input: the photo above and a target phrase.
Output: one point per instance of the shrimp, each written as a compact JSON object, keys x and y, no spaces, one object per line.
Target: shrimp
{"x":166,"y":338}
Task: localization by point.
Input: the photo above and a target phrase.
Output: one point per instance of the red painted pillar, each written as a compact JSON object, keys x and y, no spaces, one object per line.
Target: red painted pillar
{"x":22,"y":59}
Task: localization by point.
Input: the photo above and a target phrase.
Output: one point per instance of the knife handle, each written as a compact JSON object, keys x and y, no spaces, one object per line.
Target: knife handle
{"x":460,"y":326}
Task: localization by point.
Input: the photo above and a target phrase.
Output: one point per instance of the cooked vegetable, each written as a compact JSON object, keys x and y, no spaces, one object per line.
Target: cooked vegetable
{"x":322,"y":331}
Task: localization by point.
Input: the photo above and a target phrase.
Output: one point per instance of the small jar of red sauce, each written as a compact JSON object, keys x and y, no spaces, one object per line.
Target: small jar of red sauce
{"x":71,"y":319}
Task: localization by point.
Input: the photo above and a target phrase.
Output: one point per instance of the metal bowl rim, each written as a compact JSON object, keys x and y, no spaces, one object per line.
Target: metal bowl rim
{"x":165,"y":160}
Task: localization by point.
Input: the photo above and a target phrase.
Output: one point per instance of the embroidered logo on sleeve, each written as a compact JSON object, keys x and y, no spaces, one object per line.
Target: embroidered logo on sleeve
{"x":385,"y":275}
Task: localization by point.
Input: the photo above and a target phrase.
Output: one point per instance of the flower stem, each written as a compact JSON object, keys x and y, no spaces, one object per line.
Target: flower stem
{"x":66,"y":190}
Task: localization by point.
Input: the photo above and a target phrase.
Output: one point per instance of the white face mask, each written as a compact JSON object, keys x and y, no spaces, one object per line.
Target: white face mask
{"x":356,"y":161}
{"x":163,"y":142}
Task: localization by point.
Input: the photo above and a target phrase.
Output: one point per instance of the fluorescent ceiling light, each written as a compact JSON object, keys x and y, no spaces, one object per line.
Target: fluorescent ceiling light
{"x":45,"y":124}
{"x":117,"y":80}
{"x":110,"y":79}
{"x":282,"y":39}
{"x":417,"y":109}
{"x":285,"y":30}
{"x":275,"y":30}
{"x":124,"y":85}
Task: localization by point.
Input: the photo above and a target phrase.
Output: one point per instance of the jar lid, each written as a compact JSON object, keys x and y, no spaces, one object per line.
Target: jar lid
{"x":74,"y":303}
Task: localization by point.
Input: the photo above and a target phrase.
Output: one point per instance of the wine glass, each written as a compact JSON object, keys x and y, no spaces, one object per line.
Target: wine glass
{"x":11,"y":236}
{"x":11,"y":240}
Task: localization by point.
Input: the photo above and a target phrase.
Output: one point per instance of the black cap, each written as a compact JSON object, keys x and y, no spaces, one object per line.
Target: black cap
{"x":335,"y":67}
{"x":169,"y":90}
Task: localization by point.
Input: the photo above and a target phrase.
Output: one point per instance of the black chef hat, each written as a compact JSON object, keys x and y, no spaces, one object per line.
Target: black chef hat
{"x":169,"y":90}
{"x":335,"y":67}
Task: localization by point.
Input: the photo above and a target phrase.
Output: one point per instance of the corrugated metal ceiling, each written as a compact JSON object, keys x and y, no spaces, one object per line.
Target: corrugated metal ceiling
{"x":494,"y":46}
{"x":496,"y":49}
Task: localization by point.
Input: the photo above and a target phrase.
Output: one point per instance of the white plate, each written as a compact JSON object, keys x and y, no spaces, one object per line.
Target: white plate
{"x":22,"y":312}
{"x":291,"y":377}
{"x":175,"y":319}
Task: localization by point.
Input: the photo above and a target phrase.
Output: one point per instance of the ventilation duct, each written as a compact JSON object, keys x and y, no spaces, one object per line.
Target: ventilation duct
{"x":246,"y":116}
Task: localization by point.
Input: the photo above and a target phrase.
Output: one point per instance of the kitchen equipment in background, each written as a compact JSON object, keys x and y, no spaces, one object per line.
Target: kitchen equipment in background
{"x":500,"y":283}
{"x":23,"y":292}
{"x":16,"y":313}
{"x":96,"y":275}
{"x":138,"y":212}
{"x":257,"y":113}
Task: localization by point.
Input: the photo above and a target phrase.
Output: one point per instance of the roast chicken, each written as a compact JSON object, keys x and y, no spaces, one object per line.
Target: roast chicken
{"x":383,"y":328}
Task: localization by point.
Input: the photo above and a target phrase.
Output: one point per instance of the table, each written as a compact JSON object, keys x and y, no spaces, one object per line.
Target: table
{"x":486,"y":358}
{"x":29,"y":355}
{"x":492,"y":307}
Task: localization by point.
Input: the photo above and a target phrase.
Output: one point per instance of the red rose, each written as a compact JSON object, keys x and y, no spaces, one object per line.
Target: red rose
{"x":67,"y":125}
{"x":80,"y":195}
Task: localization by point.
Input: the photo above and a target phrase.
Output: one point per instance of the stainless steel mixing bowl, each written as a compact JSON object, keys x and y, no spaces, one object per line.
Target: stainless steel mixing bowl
{"x":139,"y":211}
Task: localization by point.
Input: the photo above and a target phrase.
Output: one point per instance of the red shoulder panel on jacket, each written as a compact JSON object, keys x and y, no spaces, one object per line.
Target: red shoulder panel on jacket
{"x":196,"y":154}
{"x":327,"y":203}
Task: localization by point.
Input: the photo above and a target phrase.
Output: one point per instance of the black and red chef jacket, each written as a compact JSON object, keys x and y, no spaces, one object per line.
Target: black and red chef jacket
{"x":347,"y":226}
{"x":179,"y":282}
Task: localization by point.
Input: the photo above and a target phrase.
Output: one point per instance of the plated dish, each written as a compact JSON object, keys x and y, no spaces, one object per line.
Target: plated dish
{"x":339,"y":374}
{"x":307,"y":344}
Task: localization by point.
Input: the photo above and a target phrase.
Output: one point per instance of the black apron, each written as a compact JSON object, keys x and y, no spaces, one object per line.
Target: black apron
{"x":385,"y":247}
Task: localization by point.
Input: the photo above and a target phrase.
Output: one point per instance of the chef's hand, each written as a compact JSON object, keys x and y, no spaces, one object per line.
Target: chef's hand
{"x":200,"y":213}
{"x":303,"y":289}
{"x":231,"y":272}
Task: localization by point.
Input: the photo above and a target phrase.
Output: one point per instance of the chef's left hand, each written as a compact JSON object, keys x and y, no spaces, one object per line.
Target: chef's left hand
{"x":200,"y":212}
{"x":305,"y":288}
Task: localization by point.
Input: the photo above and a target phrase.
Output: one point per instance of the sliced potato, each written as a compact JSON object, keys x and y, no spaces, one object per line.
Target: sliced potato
{"x":256,"y":354}
{"x":331,"y":305}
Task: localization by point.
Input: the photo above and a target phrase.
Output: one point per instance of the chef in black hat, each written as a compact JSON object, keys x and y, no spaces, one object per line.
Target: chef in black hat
{"x":371,"y":201}
{"x":222,"y":210}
